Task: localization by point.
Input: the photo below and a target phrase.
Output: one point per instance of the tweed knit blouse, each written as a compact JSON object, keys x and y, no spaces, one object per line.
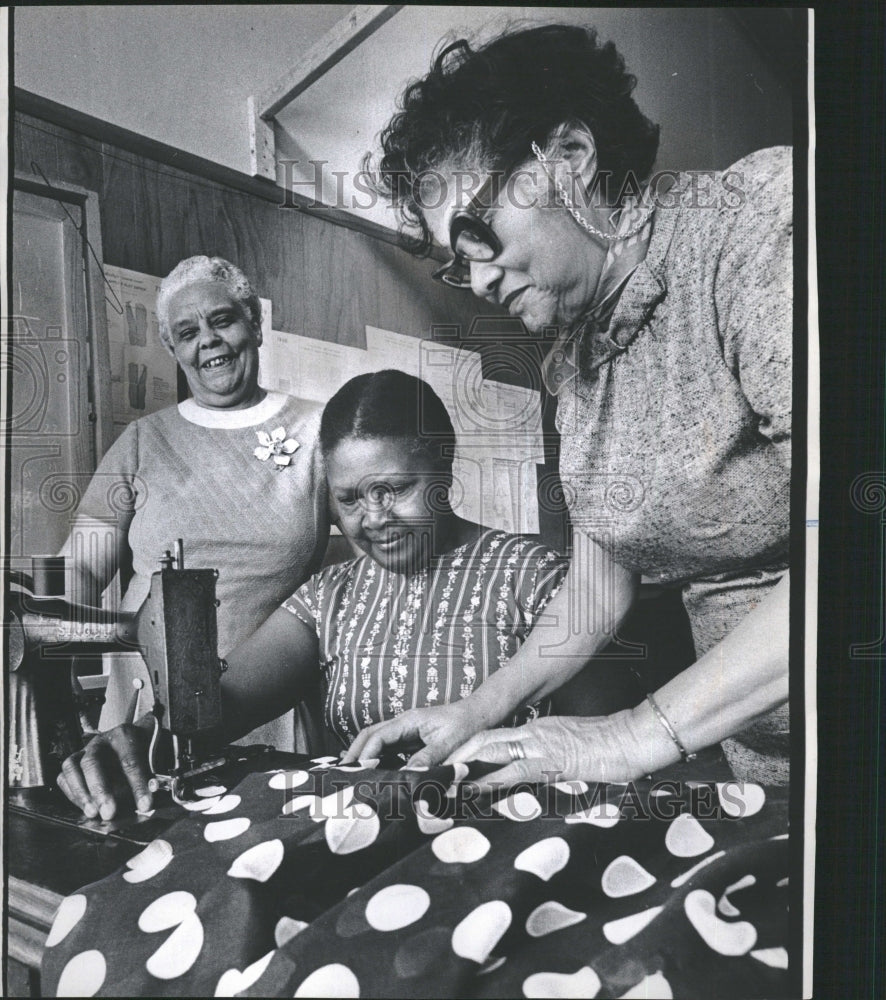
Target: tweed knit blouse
{"x":676,"y":432}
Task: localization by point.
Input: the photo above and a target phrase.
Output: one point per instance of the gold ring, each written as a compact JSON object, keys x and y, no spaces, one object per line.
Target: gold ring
{"x":516,"y":750}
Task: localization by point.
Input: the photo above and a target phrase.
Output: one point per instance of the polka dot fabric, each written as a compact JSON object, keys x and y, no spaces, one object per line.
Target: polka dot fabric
{"x":311,"y":880}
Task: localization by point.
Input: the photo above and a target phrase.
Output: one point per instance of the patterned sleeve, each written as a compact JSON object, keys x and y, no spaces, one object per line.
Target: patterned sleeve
{"x":115,"y":486}
{"x":541,"y":579}
{"x":305,"y":602}
{"x":754,"y":292}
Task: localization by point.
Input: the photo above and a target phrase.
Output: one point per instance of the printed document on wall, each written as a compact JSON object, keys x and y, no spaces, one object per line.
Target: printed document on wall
{"x":143,"y":373}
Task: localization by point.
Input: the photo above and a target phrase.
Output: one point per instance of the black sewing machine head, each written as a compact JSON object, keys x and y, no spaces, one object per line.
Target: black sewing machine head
{"x":178,"y":633}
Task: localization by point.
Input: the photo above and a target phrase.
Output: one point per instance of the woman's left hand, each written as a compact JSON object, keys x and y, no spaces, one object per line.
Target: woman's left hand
{"x":557,"y":748}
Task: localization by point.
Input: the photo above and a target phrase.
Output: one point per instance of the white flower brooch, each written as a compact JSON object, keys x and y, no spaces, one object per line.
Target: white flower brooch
{"x":275,"y":445}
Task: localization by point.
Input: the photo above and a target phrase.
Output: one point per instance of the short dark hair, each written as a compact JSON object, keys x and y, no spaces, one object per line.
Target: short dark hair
{"x":496,"y":99}
{"x":390,"y":404}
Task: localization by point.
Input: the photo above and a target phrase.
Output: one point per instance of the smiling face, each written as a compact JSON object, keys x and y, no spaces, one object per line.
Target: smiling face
{"x":548,"y":268}
{"x":388,"y":497}
{"x":216,"y":345}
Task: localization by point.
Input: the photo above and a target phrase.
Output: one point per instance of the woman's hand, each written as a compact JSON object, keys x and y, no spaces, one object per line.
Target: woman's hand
{"x":557,"y":748}
{"x":111,"y":772}
{"x":442,"y":728}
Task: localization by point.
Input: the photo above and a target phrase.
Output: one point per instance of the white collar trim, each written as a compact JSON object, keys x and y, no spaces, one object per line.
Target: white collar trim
{"x":231,"y":420}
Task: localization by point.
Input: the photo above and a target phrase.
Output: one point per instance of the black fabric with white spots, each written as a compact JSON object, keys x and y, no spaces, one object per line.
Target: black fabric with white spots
{"x":307,"y":879}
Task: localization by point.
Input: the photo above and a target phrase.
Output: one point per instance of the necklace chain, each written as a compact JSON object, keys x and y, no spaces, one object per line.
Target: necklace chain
{"x":579,"y":218}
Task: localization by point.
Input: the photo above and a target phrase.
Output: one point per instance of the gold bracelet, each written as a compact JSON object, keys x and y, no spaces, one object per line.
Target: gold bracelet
{"x":669,"y":729}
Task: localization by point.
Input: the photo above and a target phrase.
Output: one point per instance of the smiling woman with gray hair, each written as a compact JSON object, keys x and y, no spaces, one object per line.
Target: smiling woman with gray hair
{"x":235,"y":472}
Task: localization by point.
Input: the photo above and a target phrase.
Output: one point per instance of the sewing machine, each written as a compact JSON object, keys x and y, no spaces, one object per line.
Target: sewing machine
{"x":52,"y":847}
{"x":176,"y":631}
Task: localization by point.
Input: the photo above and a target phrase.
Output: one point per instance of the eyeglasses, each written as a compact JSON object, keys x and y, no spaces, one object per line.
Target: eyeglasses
{"x":471,"y":239}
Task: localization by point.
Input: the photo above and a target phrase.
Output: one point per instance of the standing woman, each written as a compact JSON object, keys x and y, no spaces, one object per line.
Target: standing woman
{"x":527,"y":157}
{"x":235,"y":471}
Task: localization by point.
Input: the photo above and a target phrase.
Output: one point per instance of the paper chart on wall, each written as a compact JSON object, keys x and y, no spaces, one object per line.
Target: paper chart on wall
{"x":308,"y":368}
{"x":498,"y":426}
{"x":143,"y":376}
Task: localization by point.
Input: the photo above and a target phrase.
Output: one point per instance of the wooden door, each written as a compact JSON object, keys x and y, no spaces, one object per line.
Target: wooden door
{"x":50,"y":425}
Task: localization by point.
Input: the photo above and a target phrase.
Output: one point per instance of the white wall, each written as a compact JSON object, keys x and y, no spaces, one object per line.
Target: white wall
{"x":182,"y":74}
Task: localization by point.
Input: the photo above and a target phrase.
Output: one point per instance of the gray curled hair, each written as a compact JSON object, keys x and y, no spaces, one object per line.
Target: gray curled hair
{"x":203,"y":268}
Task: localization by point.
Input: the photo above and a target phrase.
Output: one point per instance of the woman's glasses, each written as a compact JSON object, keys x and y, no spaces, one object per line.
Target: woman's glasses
{"x":471,"y":239}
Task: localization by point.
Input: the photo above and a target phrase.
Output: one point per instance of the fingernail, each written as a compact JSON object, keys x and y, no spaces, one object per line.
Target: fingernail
{"x":89,"y":810}
{"x":107,"y":811}
{"x":144,"y":803}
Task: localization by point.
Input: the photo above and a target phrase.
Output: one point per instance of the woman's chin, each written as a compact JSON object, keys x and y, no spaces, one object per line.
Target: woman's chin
{"x":225,"y":392}
{"x":537,"y":317}
{"x":399,"y":556}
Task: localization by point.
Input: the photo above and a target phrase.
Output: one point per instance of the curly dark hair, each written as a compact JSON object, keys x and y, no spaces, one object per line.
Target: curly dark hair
{"x":489,"y":103}
{"x":390,"y":404}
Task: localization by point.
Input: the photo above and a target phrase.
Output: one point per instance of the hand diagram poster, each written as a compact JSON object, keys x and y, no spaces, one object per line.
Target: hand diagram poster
{"x":143,"y":377}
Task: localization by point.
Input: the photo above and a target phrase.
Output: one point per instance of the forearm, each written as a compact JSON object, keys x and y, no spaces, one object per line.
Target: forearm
{"x":740,"y":679}
{"x":93,"y":552}
{"x":268,"y":674}
{"x":239,"y":718}
{"x":576,"y":625}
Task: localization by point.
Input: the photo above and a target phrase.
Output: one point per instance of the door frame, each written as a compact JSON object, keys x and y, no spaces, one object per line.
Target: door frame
{"x":87,"y":201}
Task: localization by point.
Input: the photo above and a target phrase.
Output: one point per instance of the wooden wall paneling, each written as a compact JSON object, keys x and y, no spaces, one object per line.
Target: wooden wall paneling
{"x":123,"y":225}
{"x":234,"y":231}
{"x":200,"y":210}
{"x":290,"y":303}
{"x":33,"y":144}
{"x":62,"y":155}
{"x":79,"y":160}
{"x":76,"y":160}
{"x":269,"y":247}
{"x":399,"y":275}
{"x":341,"y":285}
{"x":171,"y":215}
{"x":144,"y":215}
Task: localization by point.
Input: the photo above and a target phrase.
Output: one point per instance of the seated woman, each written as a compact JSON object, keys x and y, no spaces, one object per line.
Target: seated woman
{"x":434,"y":606}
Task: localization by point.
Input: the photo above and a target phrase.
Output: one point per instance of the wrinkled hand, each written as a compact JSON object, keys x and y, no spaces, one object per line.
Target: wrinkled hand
{"x":557,"y":748}
{"x":442,"y":728}
{"x":112,"y":772}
